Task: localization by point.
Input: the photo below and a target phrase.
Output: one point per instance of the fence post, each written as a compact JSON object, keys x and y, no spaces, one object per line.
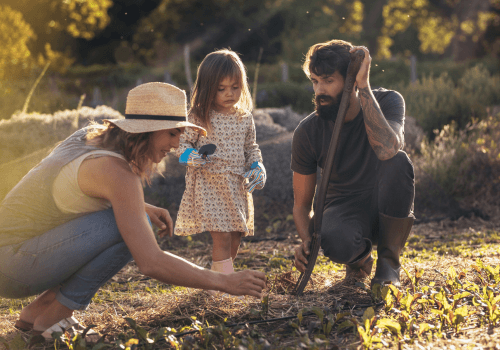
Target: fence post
{"x":284,"y":72}
{"x":256,"y":78}
{"x":413,"y":69}
{"x":187,"y":67}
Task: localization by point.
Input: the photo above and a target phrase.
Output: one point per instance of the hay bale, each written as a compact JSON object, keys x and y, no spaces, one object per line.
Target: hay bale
{"x":24,"y":134}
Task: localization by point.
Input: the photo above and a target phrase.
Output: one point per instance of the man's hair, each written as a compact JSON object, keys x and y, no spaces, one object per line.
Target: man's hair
{"x":214,"y":68}
{"x":135,"y":147}
{"x":326,"y":58}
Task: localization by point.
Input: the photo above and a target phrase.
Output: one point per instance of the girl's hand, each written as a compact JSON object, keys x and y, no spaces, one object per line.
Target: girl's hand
{"x":256,"y":177}
{"x":248,"y":282}
{"x":161,"y":218}
{"x":191,"y":157}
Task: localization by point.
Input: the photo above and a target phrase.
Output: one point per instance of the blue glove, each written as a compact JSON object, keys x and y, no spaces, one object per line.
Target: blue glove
{"x":256,"y":177}
{"x":191,"y":157}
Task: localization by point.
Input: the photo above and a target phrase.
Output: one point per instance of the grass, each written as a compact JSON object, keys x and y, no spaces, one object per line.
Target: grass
{"x":450,"y":298}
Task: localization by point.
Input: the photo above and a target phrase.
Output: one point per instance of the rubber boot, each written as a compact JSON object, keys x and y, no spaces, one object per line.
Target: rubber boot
{"x":393,"y":233}
{"x":223,"y":266}
{"x":362,"y":266}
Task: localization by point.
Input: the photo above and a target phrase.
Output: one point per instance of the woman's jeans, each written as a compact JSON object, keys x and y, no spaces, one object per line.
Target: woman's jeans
{"x":79,"y":257}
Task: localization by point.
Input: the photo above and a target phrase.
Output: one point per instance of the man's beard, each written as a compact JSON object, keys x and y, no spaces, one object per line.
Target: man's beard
{"x":330,"y":110}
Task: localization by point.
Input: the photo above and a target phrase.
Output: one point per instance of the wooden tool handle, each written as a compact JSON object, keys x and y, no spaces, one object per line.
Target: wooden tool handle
{"x":352,"y":71}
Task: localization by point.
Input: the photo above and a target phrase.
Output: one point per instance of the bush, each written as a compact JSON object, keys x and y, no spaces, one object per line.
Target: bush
{"x":465,"y":163}
{"x":298,"y":96}
{"x":436,"y":102}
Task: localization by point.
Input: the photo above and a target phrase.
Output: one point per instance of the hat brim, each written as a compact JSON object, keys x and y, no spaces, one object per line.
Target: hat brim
{"x":148,"y":125}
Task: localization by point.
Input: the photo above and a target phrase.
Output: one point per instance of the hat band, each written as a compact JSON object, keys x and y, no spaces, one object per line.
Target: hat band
{"x":154,"y":117}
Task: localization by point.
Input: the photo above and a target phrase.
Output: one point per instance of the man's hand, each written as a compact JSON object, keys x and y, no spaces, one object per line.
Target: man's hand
{"x":248,"y":282}
{"x":161,"y":218}
{"x":362,"y":79}
{"x":301,"y":252}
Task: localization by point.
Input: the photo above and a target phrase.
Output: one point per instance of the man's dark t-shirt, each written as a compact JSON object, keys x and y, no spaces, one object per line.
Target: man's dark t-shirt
{"x":355,"y":161}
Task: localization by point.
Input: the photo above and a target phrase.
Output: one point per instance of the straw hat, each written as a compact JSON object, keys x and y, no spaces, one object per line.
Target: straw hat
{"x":153,"y":107}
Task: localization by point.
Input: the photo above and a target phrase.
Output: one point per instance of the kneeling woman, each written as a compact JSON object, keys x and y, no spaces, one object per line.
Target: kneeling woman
{"x":79,"y":216}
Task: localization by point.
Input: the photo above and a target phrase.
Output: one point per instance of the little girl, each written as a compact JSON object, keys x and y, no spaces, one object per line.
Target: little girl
{"x":218,"y":195}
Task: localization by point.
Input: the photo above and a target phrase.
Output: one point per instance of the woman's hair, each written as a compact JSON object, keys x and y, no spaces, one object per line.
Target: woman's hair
{"x":326,"y":58}
{"x":135,"y":147}
{"x":214,"y":68}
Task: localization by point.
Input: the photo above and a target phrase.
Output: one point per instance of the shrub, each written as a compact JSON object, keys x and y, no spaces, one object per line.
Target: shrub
{"x":299,"y":96}
{"x":465,"y":163}
{"x":436,"y":102}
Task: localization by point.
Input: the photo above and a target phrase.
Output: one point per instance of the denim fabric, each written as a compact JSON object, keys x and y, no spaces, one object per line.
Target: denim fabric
{"x":79,"y":256}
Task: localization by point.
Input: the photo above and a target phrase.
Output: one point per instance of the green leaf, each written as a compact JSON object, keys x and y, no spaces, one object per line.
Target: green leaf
{"x":391,"y":325}
{"x":17,"y":343}
{"x":368,"y":314}
{"x":462,"y":311}
{"x":318,"y":313}
{"x":131,"y":322}
{"x":423,"y":327}
{"x":300,"y":315}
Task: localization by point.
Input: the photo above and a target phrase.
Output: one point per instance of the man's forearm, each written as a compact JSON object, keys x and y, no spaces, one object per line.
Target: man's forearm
{"x":384,"y":141}
{"x":302,"y":218}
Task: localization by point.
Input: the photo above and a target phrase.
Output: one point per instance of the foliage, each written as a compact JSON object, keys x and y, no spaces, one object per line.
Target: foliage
{"x":437,"y":26}
{"x":44,"y":24}
{"x":435,"y":102}
{"x":465,"y":162}
{"x":299,"y":96}
{"x":15,"y":34}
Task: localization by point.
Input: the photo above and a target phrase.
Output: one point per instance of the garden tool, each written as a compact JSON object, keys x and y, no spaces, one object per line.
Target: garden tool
{"x":194,"y":158}
{"x":352,"y":71}
{"x":393,"y":233}
{"x":206,"y":150}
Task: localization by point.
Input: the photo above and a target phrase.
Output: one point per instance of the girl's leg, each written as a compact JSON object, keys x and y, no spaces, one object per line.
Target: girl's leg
{"x":221,"y":245}
{"x":235,"y":243}
{"x":79,"y":256}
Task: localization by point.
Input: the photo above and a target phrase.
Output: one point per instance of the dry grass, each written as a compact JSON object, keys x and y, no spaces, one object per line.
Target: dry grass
{"x":154,"y":305}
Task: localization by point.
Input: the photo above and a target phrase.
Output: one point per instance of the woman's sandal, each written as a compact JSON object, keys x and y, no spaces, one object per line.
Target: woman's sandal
{"x":23,"y":325}
{"x":71,"y":326}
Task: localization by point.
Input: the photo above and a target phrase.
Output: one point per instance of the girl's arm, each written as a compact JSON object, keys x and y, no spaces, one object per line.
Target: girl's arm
{"x":112,"y":179}
{"x":252,"y":151}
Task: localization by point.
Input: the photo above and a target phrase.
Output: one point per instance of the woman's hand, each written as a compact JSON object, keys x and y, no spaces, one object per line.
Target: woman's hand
{"x":248,"y":282}
{"x":161,"y":218}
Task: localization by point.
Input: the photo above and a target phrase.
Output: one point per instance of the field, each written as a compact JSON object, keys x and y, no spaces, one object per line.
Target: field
{"x":449,"y":299}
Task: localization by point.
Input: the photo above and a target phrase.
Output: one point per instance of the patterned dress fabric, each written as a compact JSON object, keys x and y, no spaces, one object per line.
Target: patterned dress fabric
{"x":215,"y":198}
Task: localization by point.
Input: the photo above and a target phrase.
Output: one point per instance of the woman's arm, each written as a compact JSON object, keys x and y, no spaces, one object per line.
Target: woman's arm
{"x":112,"y":179}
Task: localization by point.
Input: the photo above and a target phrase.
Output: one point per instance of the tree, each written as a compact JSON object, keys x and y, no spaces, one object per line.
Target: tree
{"x":15,"y":34}
{"x":441,"y":24}
{"x":52,"y":27}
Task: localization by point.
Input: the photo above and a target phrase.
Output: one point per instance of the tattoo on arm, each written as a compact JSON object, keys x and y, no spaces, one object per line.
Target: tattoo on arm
{"x":384,"y":140}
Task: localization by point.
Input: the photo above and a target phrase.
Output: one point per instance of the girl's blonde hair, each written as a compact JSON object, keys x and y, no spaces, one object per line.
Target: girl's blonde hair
{"x":214,"y":68}
{"x":135,"y":147}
